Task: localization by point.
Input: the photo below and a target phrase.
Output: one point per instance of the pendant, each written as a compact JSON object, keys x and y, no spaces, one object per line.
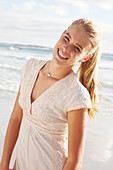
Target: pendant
{"x":49,"y":75}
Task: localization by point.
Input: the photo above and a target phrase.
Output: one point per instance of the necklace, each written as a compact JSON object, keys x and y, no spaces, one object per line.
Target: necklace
{"x":49,"y":75}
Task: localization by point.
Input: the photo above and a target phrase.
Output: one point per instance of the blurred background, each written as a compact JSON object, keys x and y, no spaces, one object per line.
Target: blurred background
{"x":30,"y":28}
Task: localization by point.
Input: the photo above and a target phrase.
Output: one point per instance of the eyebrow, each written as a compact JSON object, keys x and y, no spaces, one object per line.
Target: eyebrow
{"x":76,"y":43}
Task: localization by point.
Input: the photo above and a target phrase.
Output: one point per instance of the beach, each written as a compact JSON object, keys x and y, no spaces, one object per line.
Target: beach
{"x":6,"y":105}
{"x":98,"y":151}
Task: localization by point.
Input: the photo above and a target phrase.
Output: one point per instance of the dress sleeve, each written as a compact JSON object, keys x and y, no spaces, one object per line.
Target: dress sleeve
{"x":26,"y":67}
{"x":79,"y":99}
{"x":27,"y":73}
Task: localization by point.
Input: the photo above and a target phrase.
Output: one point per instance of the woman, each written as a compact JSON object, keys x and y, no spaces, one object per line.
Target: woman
{"x":52,"y":104}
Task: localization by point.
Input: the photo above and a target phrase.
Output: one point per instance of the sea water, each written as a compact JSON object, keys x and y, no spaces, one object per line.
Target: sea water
{"x":99,"y":138}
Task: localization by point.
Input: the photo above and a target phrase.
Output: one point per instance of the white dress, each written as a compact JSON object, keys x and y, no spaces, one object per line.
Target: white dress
{"x":42,"y":143}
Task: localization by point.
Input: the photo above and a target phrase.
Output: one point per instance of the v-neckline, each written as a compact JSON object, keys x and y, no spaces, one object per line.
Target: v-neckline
{"x":50,"y":87}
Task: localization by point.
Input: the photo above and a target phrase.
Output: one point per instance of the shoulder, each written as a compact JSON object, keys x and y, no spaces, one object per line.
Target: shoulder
{"x":77,"y":88}
{"x":32,"y":63}
{"x":78,"y":95}
{"x":30,"y":66}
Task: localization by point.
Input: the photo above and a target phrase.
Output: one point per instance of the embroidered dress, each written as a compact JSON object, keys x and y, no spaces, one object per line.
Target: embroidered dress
{"x":43,"y":138}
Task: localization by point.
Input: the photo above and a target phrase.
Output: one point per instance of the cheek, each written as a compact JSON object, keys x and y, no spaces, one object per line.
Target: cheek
{"x":76,"y":56}
{"x":60,"y":41}
{"x":55,"y":47}
{"x":58,"y":44}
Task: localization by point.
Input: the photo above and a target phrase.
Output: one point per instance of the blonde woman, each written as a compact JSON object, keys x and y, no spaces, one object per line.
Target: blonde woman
{"x":53,"y":102}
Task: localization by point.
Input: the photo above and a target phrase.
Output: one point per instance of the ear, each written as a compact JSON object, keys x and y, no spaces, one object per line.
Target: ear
{"x":86,"y":58}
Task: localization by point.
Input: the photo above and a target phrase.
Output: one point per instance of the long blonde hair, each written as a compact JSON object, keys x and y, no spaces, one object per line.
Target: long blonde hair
{"x":88,"y":70}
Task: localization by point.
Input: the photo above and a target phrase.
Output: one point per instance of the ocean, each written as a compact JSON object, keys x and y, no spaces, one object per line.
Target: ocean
{"x":98,"y":152}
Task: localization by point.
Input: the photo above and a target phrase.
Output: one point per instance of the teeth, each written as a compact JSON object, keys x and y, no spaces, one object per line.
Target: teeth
{"x":61,"y":54}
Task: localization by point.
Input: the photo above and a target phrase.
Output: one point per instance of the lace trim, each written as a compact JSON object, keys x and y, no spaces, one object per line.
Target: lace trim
{"x":58,"y":153}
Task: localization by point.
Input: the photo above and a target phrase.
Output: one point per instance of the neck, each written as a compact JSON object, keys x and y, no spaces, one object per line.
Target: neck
{"x":57,"y":71}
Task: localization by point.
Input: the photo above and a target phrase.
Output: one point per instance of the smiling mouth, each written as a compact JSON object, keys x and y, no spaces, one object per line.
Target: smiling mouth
{"x":61,"y":55}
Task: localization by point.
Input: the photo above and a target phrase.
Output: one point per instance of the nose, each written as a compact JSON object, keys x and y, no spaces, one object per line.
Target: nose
{"x":67,"y":48}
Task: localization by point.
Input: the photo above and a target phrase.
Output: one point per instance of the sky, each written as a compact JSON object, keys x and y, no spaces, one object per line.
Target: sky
{"x":41,"y":22}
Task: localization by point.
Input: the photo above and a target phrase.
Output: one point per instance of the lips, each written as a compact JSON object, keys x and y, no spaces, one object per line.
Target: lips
{"x":61,"y":55}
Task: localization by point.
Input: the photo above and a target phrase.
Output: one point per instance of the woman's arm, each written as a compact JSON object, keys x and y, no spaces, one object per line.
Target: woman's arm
{"x":77,"y":121}
{"x":11,"y":134}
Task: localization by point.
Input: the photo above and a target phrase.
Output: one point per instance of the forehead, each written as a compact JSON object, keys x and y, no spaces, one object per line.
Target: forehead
{"x":79,"y":35}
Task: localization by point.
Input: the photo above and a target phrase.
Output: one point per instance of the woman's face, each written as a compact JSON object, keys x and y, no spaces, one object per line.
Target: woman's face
{"x":72,"y":46}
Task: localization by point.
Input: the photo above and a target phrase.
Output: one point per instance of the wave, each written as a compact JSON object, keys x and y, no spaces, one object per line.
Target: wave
{"x":106,"y":56}
{"x":8,"y":90}
{"x":23,"y":55}
{"x":12,"y":48}
{"x":10,"y":67}
{"x":107,"y":84}
{"x":106,"y":67}
{"x":9,"y":86}
{"x":20,"y":47}
{"x":15,"y":55}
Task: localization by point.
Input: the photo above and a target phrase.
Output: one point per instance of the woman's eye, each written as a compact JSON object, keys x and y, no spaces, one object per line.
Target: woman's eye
{"x":66,"y":38}
{"x":77,"y":48}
